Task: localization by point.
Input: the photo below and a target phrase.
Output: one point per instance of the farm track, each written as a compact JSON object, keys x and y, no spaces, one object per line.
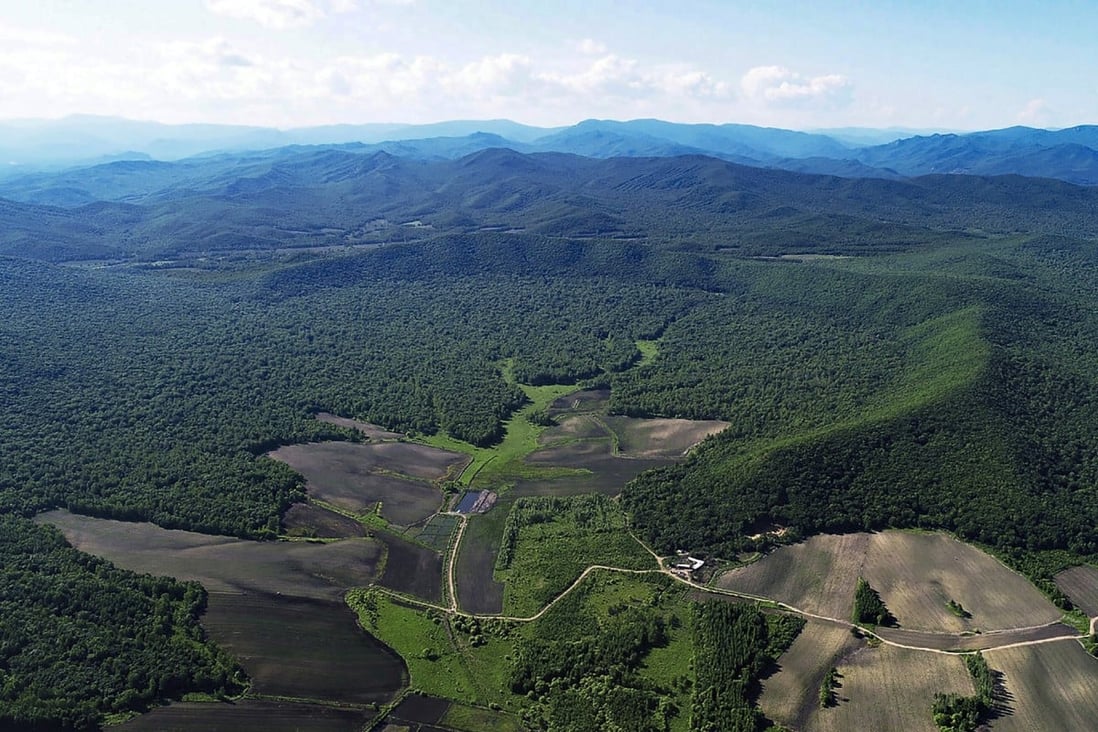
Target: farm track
{"x":451,"y":561}
{"x":1068,"y":634}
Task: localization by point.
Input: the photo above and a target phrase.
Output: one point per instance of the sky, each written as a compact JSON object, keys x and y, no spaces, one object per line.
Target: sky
{"x":923,"y":64}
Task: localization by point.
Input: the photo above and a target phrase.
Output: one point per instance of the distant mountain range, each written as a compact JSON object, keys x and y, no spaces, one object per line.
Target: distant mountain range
{"x":32,"y":147}
{"x":306,"y":197}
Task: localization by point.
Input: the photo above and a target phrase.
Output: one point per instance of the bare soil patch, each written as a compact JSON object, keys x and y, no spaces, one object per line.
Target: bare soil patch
{"x":407,"y":458}
{"x":477,"y":590}
{"x":791,"y":695}
{"x":1080,"y":584}
{"x":309,"y":520}
{"x":249,"y":715}
{"x":411,"y":569}
{"x":916,"y":575}
{"x":887,"y":688}
{"x":1053,"y":686}
{"x":420,"y":709}
{"x":225,"y":564}
{"x":577,"y":427}
{"x":660,"y":437}
{"x":356,"y":477}
{"x":608,"y":475}
{"x":587,"y":400}
{"x":371,"y":431}
{"x":303,"y":648}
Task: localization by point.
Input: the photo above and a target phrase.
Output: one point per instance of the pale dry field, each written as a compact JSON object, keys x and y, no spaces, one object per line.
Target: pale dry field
{"x":1081,"y":585}
{"x":792,"y":694}
{"x":1053,"y":686}
{"x":372,"y":431}
{"x":888,"y":688}
{"x":647,"y":438}
{"x":916,"y":575}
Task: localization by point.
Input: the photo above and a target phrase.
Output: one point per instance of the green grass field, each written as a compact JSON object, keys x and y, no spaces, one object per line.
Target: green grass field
{"x":434,"y":664}
{"x":549,"y":557}
{"x":499,"y":465}
{"x":550,"y":541}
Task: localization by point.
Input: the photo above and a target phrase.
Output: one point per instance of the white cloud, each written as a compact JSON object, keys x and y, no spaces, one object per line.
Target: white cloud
{"x":1035,"y":113}
{"x":590,"y":47}
{"x":279,"y":14}
{"x":779,"y":86}
{"x":13,"y":35}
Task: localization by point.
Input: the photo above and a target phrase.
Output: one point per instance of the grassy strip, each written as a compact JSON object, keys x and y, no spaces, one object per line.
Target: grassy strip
{"x":495,"y":466}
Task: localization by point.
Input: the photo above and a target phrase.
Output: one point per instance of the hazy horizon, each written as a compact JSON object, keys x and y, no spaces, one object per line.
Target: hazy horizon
{"x":288,"y":64}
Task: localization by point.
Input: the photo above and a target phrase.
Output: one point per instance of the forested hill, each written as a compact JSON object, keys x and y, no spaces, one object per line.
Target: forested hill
{"x":1068,"y":154}
{"x":297,"y":200}
{"x":887,"y":353}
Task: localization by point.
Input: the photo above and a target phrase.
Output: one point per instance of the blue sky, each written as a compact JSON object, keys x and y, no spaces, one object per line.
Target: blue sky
{"x":966,"y":64}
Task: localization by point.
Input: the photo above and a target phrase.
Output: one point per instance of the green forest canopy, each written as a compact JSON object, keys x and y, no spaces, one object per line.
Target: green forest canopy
{"x":943,"y":379}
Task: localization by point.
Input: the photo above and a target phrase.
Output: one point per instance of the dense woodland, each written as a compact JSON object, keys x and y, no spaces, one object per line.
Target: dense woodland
{"x":936,"y":369}
{"x":734,"y":646}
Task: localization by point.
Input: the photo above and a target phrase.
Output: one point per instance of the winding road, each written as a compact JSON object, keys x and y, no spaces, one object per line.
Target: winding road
{"x":1047,"y":632}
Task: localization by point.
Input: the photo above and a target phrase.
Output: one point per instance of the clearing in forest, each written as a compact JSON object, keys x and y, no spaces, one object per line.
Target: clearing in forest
{"x":548,"y":542}
{"x":356,"y":477}
{"x":1053,"y":686}
{"x":651,"y":438}
{"x":371,"y":431}
{"x":916,"y":574}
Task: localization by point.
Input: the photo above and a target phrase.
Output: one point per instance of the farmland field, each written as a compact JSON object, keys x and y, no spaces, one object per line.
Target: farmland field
{"x":790,"y":696}
{"x":249,"y":715}
{"x":916,"y":574}
{"x":356,"y":477}
{"x":886,"y":688}
{"x":371,"y":431}
{"x":477,"y":589}
{"x":307,"y":519}
{"x":411,"y":569}
{"x":303,"y":648}
{"x":225,"y":564}
{"x":276,"y":606}
{"x":404,"y":458}
{"x":660,"y":437}
{"x":1081,"y":585}
{"x":437,"y":533}
{"x":1053,"y":686}
{"x":975,"y":641}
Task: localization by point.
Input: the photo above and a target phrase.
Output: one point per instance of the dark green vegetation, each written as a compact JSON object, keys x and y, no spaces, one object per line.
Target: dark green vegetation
{"x":827,"y":688}
{"x":81,"y":638}
{"x":941,"y":377}
{"x":548,"y":541}
{"x":954,"y":713}
{"x":869,"y":608}
{"x":733,"y":646}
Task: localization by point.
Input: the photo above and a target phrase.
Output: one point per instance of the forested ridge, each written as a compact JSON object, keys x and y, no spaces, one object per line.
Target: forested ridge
{"x":931,"y":371}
